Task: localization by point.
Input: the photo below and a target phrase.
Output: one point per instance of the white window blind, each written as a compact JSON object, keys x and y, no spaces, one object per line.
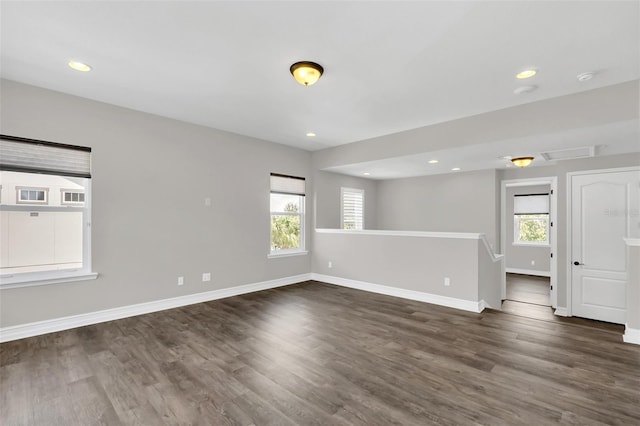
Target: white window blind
{"x":531,"y":204}
{"x":352,"y":208}
{"x":283,"y":184}
{"x":33,"y":156}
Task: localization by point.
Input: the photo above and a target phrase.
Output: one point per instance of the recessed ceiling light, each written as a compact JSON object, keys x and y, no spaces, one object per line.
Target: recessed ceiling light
{"x":433,"y":161}
{"x":455,"y":169}
{"x":311,"y":134}
{"x":524,"y":89}
{"x":526,"y":74}
{"x":367,"y":174}
{"x":79,"y":66}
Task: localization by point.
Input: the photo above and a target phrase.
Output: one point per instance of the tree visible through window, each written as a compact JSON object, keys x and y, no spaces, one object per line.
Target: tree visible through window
{"x":531,"y":219}
{"x":287,"y":214}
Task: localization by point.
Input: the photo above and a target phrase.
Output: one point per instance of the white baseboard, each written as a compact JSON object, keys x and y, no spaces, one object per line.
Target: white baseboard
{"x":466,"y":305}
{"x":631,"y":335}
{"x":58,"y":324}
{"x":561,"y":312}
{"x":528,"y":272}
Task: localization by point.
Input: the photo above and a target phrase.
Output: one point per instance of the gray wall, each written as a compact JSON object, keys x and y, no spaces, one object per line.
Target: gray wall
{"x":560,"y":170}
{"x":519,"y":256}
{"x":327,"y":198}
{"x":455,"y":202}
{"x":150,"y":225}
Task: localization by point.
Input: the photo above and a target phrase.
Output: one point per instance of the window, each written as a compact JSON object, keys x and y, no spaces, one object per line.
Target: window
{"x":47,"y":223}
{"x":287,"y":214}
{"x":531,"y":219}
{"x":70,"y":197}
{"x":352,"y":208}
{"x":32,"y":195}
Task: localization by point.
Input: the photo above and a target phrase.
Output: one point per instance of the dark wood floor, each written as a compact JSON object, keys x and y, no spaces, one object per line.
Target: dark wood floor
{"x":529,"y":289}
{"x":316,"y":354}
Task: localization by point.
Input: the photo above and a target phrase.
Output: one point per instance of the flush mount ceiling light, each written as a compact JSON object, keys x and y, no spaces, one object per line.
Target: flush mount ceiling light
{"x":367,"y":174}
{"x":522,"y":161}
{"x":455,"y":169}
{"x":311,"y":134}
{"x":79,"y":66}
{"x":433,"y":161}
{"x":526,"y":74}
{"x":306,"y":73}
{"x":585,"y":76}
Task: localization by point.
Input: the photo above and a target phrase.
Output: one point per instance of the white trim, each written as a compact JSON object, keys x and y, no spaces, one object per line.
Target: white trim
{"x":632,"y":241}
{"x":561,"y":312}
{"x":48,"y":277}
{"x":552,"y":181}
{"x":461,"y":235}
{"x":450,"y":302}
{"x":631,"y":335}
{"x":569,"y":241}
{"x":58,"y":324}
{"x":528,"y":272}
{"x":275,"y":254}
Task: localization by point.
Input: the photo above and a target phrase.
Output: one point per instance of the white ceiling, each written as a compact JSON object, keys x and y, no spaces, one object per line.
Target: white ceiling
{"x":389,"y":66}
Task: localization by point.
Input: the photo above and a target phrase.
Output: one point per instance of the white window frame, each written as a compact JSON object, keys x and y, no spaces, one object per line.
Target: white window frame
{"x":63,"y":192}
{"x":32,"y":156}
{"x":516,"y":232}
{"x":344,"y":190}
{"x":19,"y":200}
{"x":301,"y":250}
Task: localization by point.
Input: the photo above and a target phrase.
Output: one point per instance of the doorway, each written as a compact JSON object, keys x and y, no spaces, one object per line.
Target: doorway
{"x":533,"y":280}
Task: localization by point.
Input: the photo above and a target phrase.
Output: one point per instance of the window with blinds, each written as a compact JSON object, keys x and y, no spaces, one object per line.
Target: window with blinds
{"x":45,"y":205}
{"x":531,"y":219}
{"x":287,"y":214}
{"x":352,"y":208}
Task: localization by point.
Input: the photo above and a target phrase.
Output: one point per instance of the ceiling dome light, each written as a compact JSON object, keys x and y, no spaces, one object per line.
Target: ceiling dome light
{"x":585,"y":76}
{"x":79,"y":66}
{"x":524,"y":89}
{"x":306,"y":73}
{"x":526,"y":74}
{"x":522,"y":161}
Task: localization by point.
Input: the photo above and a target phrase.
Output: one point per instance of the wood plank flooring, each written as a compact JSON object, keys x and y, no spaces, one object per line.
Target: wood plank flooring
{"x":316,"y":354}
{"x":529,"y":289}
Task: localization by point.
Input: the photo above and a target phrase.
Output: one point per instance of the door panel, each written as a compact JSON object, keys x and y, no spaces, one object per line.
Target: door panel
{"x":602,"y":208}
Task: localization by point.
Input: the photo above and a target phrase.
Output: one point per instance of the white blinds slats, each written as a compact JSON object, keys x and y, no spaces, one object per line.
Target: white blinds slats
{"x":287,"y":184}
{"x":531,"y":204}
{"x":352,"y":209}
{"x":44,"y":158}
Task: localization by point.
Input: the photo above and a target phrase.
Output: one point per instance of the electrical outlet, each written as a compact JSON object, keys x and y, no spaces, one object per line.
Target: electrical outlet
{"x":330,"y":265}
{"x":207,"y":202}
{"x":447,"y":282}
{"x":206,"y":276}
{"x":180,"y":280}
{"x":533,"y":263}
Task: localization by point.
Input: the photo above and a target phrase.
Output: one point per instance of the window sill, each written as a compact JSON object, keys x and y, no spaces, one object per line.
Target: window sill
{"x":287,"y":254}
{"x":19,"y":280}
{"x":532,"y":244}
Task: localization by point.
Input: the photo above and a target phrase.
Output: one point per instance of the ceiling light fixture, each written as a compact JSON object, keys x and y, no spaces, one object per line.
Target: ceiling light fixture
{"x":455,"y":169}
{"x":306,"y":73}
{"x":433,"y":161}
{"x":526,"y":74}
{"x":367,"y":174}
{"x":79,"y":66}
{"x":522,"y":161}
{"x":311,"y":134}
{"x":585,"y":76}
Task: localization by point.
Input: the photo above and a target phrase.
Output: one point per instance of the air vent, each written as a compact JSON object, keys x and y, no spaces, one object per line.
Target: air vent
{"x":569,"y":154}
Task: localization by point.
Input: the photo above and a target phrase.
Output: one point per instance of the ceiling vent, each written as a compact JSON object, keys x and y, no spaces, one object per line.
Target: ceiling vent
{"x":569,"y":154}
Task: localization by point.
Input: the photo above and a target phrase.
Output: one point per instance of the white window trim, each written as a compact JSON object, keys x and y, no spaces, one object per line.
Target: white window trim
{"x":290,"y":252}
{"x":45,"y":202}
{"x":342,"y":191}
{"x":28,"y":279}
{"x":71,"y":203}
{"x":516,"y":233}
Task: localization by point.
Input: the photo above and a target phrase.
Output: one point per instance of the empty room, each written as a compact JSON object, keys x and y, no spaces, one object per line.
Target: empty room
{"x":319,"y":212}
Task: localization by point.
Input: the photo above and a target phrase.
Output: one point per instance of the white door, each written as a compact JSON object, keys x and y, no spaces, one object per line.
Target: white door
{"x":604,"y":210}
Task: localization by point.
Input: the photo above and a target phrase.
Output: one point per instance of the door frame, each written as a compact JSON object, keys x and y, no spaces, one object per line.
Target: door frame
{"x":552,"y":181}
{"x":569,"y":244}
